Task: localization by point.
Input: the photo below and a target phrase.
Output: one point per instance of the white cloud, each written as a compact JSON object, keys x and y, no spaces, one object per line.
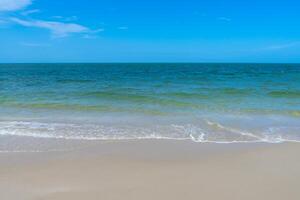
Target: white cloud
{"x":97,"y":30}
{"x":92,"y":34}
{"x":67,"y":19}
{"x":29,"y":12}
{"x":87,"y":36}
{"x":58,"y":29}
{"x":12,"y":5}
{"x":282,"y":46}
{"x":57,"y":17}
{"x":123,"y":28}
{"x":72,"y":18}
{"x":224,"y":19}
{"x":29,"y":44}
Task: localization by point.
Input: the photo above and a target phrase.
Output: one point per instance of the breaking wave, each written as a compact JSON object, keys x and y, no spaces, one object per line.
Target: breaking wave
{"x":207,"y":131}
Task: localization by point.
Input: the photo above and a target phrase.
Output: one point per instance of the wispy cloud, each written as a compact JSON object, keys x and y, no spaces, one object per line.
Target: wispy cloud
{"x":281,"y":46}
{"x":89,"y":36}
{"x":123,"y":28}
{"x":29,"y":12}
{"x":72,"y":18}
{"x":13,"y":5}
{"x":57,"y":17}
{"x":57,"y":29}
{"x":67,"y":19}
{"x":2,"y":21}
{"x":92,"y":34}
{"x":224,"y":19}
{"x":29,"y":44}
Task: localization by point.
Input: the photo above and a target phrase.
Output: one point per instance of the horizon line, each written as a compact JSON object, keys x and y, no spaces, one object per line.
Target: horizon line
{"x":1,"y":63}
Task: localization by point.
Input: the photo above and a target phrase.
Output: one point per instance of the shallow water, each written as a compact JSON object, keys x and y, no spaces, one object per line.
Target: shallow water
{"x":202,"y":102}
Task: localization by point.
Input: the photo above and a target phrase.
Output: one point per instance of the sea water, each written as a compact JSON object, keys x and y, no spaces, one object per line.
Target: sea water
{"x":222,"y":103}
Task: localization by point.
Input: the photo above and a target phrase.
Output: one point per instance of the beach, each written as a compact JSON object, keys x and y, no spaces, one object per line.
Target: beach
{"x":154,"y":169}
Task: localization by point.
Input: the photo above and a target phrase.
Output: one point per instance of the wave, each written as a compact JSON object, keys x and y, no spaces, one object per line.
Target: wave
{"x":186,"y":95}
{"x":62,"y":106}
{"x":213,"y":132}
{"x":235,"y":91}
{"x":138,"y":98}
{"x":284,"y":94}
{"x":74,"y":81}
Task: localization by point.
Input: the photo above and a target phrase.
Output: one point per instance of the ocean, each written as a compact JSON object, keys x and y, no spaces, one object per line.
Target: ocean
{"x":221,"y":103}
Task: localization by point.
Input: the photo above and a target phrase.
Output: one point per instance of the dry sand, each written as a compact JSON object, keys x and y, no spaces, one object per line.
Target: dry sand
{"x":138,"y":170}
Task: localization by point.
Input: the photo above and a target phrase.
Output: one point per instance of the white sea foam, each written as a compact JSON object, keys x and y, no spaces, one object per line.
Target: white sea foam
{"x":207,"y":132}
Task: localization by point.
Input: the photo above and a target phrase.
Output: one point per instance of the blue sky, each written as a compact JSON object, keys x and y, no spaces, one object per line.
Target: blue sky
{"x":149,"y":31}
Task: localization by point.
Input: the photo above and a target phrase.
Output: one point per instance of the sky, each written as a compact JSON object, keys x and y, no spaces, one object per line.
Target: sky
{"x":149,"y":31}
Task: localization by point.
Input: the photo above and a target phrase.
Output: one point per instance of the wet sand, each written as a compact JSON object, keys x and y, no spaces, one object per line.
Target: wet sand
{"x":135,"y":170}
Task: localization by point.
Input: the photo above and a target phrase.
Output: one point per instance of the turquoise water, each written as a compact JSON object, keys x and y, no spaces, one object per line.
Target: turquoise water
{"x":201,"y":102}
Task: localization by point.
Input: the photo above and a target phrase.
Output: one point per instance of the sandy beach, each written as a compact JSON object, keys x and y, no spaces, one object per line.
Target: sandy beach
{"x":154,"y":170}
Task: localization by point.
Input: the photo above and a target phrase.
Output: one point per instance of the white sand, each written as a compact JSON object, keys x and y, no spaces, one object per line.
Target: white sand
{"x":164,"y":170}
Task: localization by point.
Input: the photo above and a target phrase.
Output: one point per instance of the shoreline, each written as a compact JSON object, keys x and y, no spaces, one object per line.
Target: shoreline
{"x":154,"y":170}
